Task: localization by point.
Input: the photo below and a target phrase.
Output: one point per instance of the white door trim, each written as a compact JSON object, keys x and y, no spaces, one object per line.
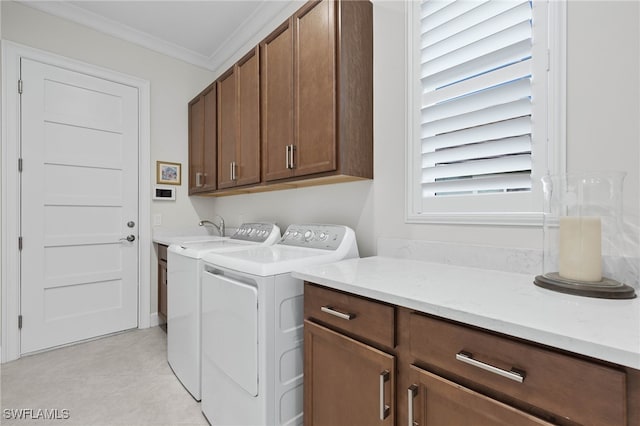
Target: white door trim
{"x":10,"y":216}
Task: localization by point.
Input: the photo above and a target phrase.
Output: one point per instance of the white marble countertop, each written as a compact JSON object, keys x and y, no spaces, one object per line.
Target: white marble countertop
{"x":504,"y":302}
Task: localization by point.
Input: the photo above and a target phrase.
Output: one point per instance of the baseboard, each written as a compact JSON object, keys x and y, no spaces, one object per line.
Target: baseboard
{"x":155,"y":320}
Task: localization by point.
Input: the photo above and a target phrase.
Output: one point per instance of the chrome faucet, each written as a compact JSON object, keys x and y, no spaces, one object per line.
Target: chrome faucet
{"x":219,"y":227}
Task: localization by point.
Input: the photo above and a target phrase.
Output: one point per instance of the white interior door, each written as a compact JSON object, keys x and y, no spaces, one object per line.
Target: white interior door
{"x":79,"y":197}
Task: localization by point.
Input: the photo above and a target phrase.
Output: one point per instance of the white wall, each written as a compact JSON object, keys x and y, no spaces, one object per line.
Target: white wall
{"x":603,"y":129}
{"x":173,"y":83}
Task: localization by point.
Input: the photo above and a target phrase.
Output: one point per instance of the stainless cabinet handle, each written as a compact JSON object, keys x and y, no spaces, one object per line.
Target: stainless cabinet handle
{"x":233,"y":172}
{"x":467,"y":358}
{"x":345,"y":316}
{"x":199,"y":179}
{"x":412,"y":392}
{"x":384,"y":408}
{"x":286,"y":156}
{"x":292,"y":164}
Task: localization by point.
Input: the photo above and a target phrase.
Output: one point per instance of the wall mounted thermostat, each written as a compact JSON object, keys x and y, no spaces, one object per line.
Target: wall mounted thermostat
{"x":166,"y":193}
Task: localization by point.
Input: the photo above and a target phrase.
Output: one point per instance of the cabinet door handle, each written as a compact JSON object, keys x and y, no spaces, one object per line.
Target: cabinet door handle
{"x":467,"y":358}
{"x":411,"y":394}
{"x":286,"y":156}
{"x":384,"y":408}
{"x":344,"y":315}
{"x":292,"y":164}
{"x":232,"y":169}
{"x":199,"y":179}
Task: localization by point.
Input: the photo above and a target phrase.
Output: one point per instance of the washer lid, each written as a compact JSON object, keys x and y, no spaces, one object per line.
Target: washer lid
{"x":272,"y":260}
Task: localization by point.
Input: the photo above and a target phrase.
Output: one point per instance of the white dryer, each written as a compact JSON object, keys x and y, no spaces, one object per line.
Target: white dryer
{"x":252,"y":326}
{"x":184,"y":297}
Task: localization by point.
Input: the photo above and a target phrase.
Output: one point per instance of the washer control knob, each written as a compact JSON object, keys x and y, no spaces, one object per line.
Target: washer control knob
{"x":322,"y":236}
{"x":308,"y":235}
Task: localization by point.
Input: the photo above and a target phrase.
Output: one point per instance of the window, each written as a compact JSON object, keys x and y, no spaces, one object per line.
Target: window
{"x":480,"y":109}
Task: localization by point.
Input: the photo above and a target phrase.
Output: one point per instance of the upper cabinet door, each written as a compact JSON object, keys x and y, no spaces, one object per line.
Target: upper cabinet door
{"x":276,"y":55}
{"x":196,"y":144}
{"x":227,"y":121}
{"x":248,"y":136}
{"x":203,"y":142}
{"x":209,"y":150}
{"x":315,"y":88}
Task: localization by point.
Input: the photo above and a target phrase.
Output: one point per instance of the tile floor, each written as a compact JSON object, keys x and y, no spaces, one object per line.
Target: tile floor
{"x":122,"y":379}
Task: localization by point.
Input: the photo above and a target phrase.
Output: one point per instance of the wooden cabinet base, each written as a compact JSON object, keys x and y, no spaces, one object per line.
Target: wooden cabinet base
{"x":434,"y":387}
{"x":436,"y":401}
{"x":346,"y":383}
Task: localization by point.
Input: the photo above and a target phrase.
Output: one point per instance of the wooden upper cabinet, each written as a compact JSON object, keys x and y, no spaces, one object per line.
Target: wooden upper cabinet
{"x":315,"y":88}
{"x":196,"y":143}
{"x":210,"y":148}
{"x":248,"y":139}
{"x":227,"y":119}
{"x":298,"y":106}
{"x":239,"y":123}
{"x":276,"y":54}
{"x":317,"y":104}
{"x":202,"y":141}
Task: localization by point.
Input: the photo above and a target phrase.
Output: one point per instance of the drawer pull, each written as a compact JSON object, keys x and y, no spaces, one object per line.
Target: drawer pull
{"x":412,"y":392}
{"x":329,"y":310}
{"x":384,"y":408}
{"x":467,"y":358}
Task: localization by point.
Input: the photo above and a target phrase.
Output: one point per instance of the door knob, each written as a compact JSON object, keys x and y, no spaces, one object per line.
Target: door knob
{"x":131,"y":238}
{"x":131,"y":224}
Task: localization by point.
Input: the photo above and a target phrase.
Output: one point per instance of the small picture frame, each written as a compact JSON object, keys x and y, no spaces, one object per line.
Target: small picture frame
{"x":168,"y":173}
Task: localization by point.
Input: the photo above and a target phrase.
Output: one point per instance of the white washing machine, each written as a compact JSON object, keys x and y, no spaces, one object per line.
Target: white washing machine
{"x":184,"y":297}
{"x":252,"y":326}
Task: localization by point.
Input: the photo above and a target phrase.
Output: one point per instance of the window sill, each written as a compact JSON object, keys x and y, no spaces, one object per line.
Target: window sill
{"x":477,"y":218}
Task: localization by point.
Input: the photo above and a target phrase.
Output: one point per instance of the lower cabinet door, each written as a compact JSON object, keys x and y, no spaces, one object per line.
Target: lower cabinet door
{"x":435,"y":401}
{"x":162,"y":289}
{"x":346,"y":383}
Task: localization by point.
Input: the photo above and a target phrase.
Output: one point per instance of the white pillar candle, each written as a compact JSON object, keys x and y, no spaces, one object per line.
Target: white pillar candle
{"x":580,"y":248}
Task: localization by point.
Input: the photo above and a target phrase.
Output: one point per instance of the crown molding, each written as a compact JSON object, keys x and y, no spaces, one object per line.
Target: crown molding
{"x":263,"y":15}
{"x":264,"y":19}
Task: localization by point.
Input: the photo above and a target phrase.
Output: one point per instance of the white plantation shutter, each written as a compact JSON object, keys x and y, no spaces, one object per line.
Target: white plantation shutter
{"x":475,"y":118}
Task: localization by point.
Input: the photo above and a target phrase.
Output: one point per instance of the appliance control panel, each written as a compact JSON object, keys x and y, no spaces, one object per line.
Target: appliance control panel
{"x":327,"y":237}
{"x":257,"y":232}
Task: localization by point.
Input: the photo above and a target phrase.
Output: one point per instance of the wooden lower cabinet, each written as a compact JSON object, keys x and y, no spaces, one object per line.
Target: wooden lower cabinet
{"x":346,"y":383}
{"x":435,"y":401}
{"x":444,"y":373}
{"x":162,"y":281}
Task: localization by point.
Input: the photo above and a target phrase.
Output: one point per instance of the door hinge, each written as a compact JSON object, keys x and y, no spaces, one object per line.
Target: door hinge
{"x":19,"y":322}
{"x":19,"y":165}
{"x":20,"y":86}
{"x":548,"y":59}
{"x":20,"y":243}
